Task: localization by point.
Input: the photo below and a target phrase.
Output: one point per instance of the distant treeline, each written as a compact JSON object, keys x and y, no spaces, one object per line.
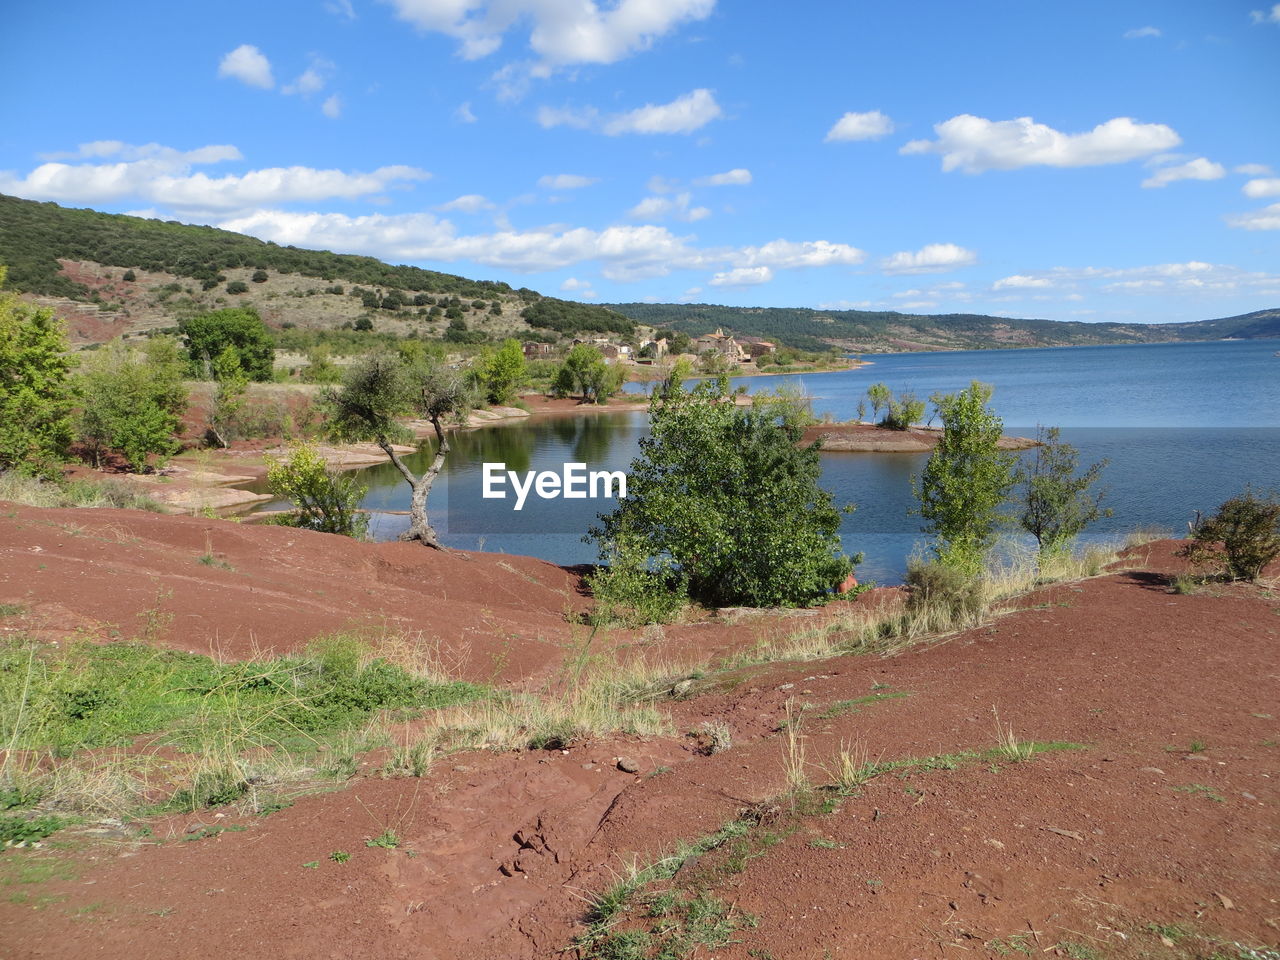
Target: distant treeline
{"x":809,"y":329}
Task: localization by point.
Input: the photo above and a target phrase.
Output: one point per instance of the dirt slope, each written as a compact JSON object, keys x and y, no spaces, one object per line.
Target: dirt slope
{"x":125,"y":574}
{"x":1085,"y":846}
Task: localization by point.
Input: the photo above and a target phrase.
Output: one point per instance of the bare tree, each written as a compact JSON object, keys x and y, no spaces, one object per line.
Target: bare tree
{"x":380,"y":390}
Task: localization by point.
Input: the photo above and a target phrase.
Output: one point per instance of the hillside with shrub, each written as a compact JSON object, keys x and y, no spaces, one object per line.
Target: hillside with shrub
{"x":108,"y":274}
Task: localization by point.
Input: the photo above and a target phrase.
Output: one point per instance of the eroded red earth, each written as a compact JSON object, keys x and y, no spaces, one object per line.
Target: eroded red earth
{"x":1086,"y":847}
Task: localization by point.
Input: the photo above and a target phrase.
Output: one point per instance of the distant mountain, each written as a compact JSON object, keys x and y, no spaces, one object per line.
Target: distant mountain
{"x":886,"y":332}
{"x":109,"y":274}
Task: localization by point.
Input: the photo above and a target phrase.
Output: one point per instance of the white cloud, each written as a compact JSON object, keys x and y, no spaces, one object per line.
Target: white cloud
{"x":737,"y":177}
{"x":573,"y":283}
{"x":341,"y":8}
{"x":1252,"y":169}
{"x":742,"y":277}
{"x":332,"y":107}
{"x":975,"y":144}
{"x":154,"y":153}
{"x":1266,"y":16}
{"x":566,"y":181}
{"x":1141,"y":32}
{"x":622,"y":253}
{"x":931,"y":258}
{"x":685,"y":114}
{"x":561,"y":33}
{"x":1021,"y":281}
{"x":579,"y":118}
{"x":790,"y":255}
{"x":463,"y":114}
{"x":1267,"y":218}
{"x":312,"y":80}
{"x":469,"y":203}
{"x":1190,"y":277}
{"x":659,"y":208}
{"x":247,"y":64}
{"x":1262,"y":188}
{"x":1197,"y":169}
{"x":860,"y":126}
{"x":161,"y":175}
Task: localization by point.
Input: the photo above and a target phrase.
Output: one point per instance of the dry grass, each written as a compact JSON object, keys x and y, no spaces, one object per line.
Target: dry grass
{"x":588,"y":708}
{"x":1008,"y":745}
{"x":794,"y":748}
{"x":851,"y":768}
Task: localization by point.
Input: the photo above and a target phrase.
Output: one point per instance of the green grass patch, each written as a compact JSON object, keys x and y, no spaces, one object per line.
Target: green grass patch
{"x":15,"y":828}
{"x":91,"y":695}
{"x":842,"y":707}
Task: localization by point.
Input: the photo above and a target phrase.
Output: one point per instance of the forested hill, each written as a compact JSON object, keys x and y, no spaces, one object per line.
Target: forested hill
{"x":887,"y":331}
{"x":35,"y":237}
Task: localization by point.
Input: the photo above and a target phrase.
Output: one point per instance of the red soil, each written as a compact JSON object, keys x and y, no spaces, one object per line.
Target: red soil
{"x":499,"y":850}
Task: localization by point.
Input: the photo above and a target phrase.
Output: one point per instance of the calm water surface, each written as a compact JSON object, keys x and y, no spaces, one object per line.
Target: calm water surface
{"x":1184,"y":426}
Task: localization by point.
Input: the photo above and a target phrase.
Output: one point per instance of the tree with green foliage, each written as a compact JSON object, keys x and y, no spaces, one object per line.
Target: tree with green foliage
{"x":878,"y":395}
{"x":714,"y":363}
{"x":323,"y":500}
{"x":129,"y":276}
{"x":902,"y":411}
{"x":1057,"y":500}
{"x":724,"y":504}
{"x":502,"y":372}
{"x":130,"y":407}
{"x":35,"y":388}
{"x":381,"y":389}
{"x":1248,"y":528}
{"x":208,"y":334}
{"x":586,"y":373}
{"x":259,"y":276}
{"x":966,"y":480}
{"x":228,"y":397}
{"x":237,"y":287}
{"x":320,"y":367}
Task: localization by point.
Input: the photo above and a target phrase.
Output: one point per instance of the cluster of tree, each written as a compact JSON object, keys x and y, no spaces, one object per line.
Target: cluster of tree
{"x":587,"y":374}
{"x":500,"y":373}
{"x":894,"y":412}
{"x":968,"y":479}
{"x":569,"y":318}
{"x":239,"y":333}
{"x":119,"y":401}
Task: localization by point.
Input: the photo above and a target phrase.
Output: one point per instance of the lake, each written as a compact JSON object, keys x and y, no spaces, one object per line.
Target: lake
{"x":1184,"y":426}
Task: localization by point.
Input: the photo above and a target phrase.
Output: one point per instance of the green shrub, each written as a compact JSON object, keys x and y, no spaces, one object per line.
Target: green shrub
{"x":323,"y":500}
{"x":130,"y":406}
{"x":207,"y":335}
{"x":16,"y":828}
{"x":237,"y":287}
{"x":1247,"y":527}
{"x":630,"y":591}
{"x":725,"y":499}
{"x":965,"y":480}
{"x":35,"y":387}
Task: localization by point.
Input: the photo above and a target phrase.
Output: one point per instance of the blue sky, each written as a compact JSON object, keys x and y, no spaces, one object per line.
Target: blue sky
{"x":1084,"y":161}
